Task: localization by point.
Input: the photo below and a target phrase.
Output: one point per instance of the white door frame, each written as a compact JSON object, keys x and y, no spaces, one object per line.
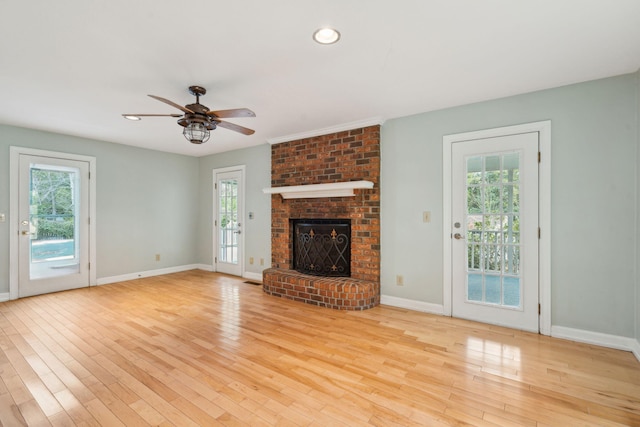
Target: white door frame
{"x":544,"y":205}
{"x":14,"y":167}
{"x":242,"y":169}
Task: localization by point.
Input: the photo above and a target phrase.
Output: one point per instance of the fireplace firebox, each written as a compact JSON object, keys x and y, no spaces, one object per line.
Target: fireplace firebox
{"x":322,"y":247}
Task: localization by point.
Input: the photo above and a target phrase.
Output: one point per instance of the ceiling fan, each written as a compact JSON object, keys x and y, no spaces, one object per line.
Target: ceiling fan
{"x":198,"y":120}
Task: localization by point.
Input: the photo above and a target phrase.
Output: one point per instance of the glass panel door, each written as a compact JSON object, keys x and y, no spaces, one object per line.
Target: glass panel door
{"x":229,"y":237}
{"x":53,"y":221}
{"x":53,"y":228}
{"x":495,"y":230}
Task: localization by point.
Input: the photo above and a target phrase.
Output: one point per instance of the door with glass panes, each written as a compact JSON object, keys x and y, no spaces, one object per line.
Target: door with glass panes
{"x":53,"y":229}
{"x":228,"y":221}
{"x":495,"y":230}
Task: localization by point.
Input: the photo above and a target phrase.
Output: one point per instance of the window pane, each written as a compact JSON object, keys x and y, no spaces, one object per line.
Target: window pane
{"x":474,"y":287}
{"x":492,"y":258}
{"x":512,"y":291}
{"x":474,"y":200}
{"x":492,"y":169}
{"x":492,"y":289}
{"x":53,"y":221}
{"x":511,"y":229}
{"x":511,"y":165}
{"x":512,"y":259}
{"x":492,"y":195}
{"x":474,"y":170}
{"x":473,"y":257}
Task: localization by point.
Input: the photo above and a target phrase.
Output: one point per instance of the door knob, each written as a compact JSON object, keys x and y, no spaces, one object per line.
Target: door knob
{"x":458,"y":236}
{"x":25,"y":233}
{"x":237,"y":232}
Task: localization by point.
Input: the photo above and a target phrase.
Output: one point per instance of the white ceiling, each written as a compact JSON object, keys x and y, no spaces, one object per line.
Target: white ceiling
{"x":74,"y":66}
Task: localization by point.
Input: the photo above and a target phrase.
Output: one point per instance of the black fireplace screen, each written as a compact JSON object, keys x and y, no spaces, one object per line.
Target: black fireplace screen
{"x":322,"y":247}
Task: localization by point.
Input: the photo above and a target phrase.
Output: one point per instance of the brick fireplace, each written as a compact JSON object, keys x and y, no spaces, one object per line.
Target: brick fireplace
{"x":338,"y":157}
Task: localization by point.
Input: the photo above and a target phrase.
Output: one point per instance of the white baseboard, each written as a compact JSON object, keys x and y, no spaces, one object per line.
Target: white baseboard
{"x":588,"y":337}
{"x":409,"y":304}
{"x":205,"y":267}
{"x":4,"y":296}
{"x":597,"y":338}
{"x":253,"y":276}
{"x":635,"y":348}
{"x":150,"y":273}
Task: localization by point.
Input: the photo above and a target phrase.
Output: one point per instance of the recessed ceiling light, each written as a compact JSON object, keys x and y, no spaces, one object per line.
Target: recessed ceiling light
{"x":326,"y":36}
{"x":128,"y":117}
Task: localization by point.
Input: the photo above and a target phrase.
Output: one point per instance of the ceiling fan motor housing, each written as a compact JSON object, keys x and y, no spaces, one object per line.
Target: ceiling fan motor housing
{"x":206,"y":121}
{"x":199,"y":116}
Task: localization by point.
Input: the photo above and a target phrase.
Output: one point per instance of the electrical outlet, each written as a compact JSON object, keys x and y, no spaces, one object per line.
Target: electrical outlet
{"x":399,"y":280}
{"x":426,"y":216}
{"x":251,"y":260}
{"x":261,"y":261}
{"x":157,"y":257}
{"x":3,"y":217}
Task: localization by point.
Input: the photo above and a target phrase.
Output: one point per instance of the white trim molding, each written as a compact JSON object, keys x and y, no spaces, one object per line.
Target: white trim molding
{"x":310,"y":191}
{"x":597,"y":338}
{"x":161,"y":271}
{"x":4,"y":296}
{"x":328,"y":130}
{"x":410,"y":304}
{"x":205,"y":267}
{"x":151,"y":273}
{"x":635,"y":348}
{"x":252,"y":276}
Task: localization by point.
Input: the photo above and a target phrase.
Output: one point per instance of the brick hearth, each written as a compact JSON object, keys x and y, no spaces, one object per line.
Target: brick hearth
{"x":344,"y":156}
{"x":341,"y":293}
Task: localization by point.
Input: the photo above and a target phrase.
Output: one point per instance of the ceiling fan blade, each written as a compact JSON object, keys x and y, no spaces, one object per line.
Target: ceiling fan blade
{"x":173,"y":104}
{"x":235,"y":112}
{"x":154,"y":115}
{"x":234,"y":127}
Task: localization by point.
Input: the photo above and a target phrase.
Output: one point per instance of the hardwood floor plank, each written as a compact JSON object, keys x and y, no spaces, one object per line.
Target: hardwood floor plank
{"x":10,"y":414}
{"x":74,"y":407}
{"x":147,"y":412}
{"x":33,"y":414}
{"x":199,"y":348}
{"x":102,"y":414}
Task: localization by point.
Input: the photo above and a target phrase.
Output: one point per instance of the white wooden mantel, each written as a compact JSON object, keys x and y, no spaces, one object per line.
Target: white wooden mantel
{"x":312,"y":191}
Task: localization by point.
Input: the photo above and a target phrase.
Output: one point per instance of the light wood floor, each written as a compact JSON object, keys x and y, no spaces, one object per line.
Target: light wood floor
{"x":199,"y":348}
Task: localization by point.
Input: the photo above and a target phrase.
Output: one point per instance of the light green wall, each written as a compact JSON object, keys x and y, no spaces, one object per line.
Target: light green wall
{"x":257,"y":231}
{"x":593,"y":198}
{"x":147,"y":202}
{"x":151,"y":202}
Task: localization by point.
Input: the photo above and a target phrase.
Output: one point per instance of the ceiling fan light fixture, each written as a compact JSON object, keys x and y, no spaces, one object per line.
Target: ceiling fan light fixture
{"x":196,"y":133}
{"x":326,"y":35}
{"x":131,"y":117}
